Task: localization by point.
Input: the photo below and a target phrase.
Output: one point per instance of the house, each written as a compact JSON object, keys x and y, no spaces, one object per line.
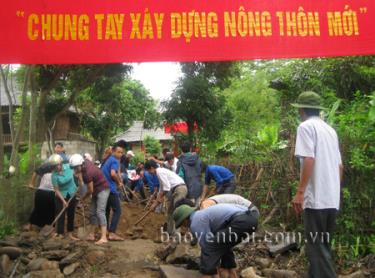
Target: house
{"x":4,"y":105}
{"x":66,"y":129}
{"x":135,"y":135}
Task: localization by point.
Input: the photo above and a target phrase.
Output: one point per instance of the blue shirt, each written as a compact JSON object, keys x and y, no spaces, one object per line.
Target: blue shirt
{"x":138,"y":185}
{"x":219,"y":174}
{"x":65,"y":181}
{"x":64,"y":157}
{"x":204,"y":223}
{"x":152,"y":181}
{"x":111,"y":163}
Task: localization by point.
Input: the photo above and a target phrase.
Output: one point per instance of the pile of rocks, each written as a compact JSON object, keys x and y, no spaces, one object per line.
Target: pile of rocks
{"x":32,"y":256}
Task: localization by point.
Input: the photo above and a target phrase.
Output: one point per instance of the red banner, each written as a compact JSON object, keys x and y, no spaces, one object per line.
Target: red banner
{"x":109,"y":31}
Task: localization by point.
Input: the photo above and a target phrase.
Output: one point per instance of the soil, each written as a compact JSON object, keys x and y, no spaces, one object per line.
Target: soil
{"x":137,"y":255}
{"x":149,"y":228}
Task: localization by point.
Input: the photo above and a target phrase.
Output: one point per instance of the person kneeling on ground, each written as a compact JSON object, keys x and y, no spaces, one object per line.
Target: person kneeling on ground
{"x":222,"y":176}
{"x":170,"y":184}
{"x":218,"y":229}
{"x":65,"y":188}
{"x":97,"y":186}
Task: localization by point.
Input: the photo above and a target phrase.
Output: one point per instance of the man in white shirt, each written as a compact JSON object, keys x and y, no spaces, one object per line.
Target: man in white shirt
{"x":171,"y":185}
{"x":318,"y":193}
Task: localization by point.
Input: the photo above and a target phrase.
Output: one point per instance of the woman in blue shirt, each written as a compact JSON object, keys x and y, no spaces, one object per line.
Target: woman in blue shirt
{"x":65,"y":189}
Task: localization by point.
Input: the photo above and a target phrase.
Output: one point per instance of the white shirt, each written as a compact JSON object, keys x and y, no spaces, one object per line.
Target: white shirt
{"x":318,"y":140}
{"x":168,"y":179}
{"x":171,"y":167}
{"x":46,"y":182}
{"x":231,"y":199}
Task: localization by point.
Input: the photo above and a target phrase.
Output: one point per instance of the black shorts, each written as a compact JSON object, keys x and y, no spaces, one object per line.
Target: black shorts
{"x":219,"y":252}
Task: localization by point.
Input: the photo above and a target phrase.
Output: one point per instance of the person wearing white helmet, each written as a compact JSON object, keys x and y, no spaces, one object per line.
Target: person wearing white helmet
{"x":65,"y":189}
{"x":97,"y":186}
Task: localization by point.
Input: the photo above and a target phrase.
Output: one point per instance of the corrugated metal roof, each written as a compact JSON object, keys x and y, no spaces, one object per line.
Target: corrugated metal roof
{"x":137,"y":133}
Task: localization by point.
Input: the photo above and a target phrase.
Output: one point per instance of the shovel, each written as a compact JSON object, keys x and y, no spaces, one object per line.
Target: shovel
{"x":48,"y":229}
{"x":152,"y":197}
{"x":82,"y":232}
{"x":144,"y":216}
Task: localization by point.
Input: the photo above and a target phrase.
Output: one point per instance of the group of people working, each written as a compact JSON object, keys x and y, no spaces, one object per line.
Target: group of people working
{"x":217,"y":218}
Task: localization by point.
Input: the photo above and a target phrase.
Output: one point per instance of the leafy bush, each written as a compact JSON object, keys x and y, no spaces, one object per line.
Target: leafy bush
{"x":7,"y":227}
{"x":152,"y":146}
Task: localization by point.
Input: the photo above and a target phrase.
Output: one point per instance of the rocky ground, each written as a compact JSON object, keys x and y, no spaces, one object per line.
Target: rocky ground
{"x":143,"y":254}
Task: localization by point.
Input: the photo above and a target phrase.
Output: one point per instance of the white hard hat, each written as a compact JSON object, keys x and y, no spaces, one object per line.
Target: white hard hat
{"x":76,"y":160}
{"x":55,"y":159}
{"x":88,"y":157}
{"x":130,"y":153}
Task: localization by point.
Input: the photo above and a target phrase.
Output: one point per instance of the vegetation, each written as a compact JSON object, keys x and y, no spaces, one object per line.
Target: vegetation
{"x":245,"y":121}
{"x":152,"y":146}
{"x":255,"y":134}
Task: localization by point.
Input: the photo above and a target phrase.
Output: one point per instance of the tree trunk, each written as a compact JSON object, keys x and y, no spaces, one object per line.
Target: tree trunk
{"x":20,"y":129}
{"x":41,"y":114}
{"x":32,"y":123}
{"x":1,"y":142}
{"x":4,"y":77}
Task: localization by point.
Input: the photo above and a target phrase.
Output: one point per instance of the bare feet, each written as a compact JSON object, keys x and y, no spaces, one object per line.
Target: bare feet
{"x":72,"y":237}
{"x":101,"y":241}
{"x":90,"y":237}
{"x":57,"y":236}
{"x":114,"y":237}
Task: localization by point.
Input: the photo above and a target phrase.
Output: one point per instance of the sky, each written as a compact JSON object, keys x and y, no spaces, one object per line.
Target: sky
{"x":159,"y":77}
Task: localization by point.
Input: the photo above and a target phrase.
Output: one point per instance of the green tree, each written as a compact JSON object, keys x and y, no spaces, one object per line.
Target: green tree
{"x":110,"y":108}
{"x":196,"y":99}
{"x":152,"y":146}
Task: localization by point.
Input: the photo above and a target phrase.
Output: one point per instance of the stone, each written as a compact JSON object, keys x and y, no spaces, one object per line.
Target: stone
{"x":138,"y":229}
{"x":68,"y":270}
{"x":5,"y":265}
{"x":32,"y":255}
{"x":29,"y":243}
{"x":95,"y":257}
{"x":129,"y":233}
{"x":71,"y":258}
{"x":55,"y":254}
{"x":164,"y":251}
{"x":169,"y":271}
{"x":29,"y":235}
{"x":183,"y":254}
{"x":357,"y":274}
{"x":25,"y":260}
{"x":288,"y":243}
{"x":5,"y":243}
{"x":36,"y":264}
{"x":249,"y":273}
{"x":49,"y":265}
{"x":52,"y":245}
{"x":263,"y":262}
{"x":44,"y":274}
{"x":12,"y":252}
{"x":276,"y":273}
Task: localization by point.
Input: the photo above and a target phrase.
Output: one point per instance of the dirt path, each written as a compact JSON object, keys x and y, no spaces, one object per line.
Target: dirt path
{"x":141,"y":255}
